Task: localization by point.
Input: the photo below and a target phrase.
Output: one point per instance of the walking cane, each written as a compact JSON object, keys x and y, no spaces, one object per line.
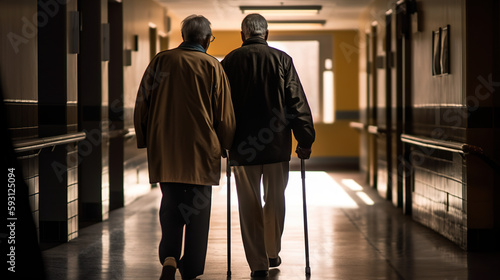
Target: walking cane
{"x":228,"y":175}
{"x":306,"y":236}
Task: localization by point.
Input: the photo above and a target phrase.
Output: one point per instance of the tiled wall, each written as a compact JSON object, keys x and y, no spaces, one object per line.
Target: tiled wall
{"x":29,"y":165}
{"x":31,"y":105}
{"x":452,"y":192}
{"x":93,"y":114}
{"x":72,"y":163}
{"x":44,"y":97}
{"x":457,"y":191}
{"x":440,"y":192}
{"x":18,"y":66}
{"x":57,"y":116}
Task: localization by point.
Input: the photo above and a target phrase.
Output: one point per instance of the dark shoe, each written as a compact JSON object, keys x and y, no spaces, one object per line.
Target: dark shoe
{"x":274,"y":262}
{"x":259,"y":273}
{"x":168,"y":273}
{"x":169,"y":269}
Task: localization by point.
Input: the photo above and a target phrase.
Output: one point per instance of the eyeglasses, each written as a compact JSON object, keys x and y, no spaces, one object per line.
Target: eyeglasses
{"x":212,"y":38}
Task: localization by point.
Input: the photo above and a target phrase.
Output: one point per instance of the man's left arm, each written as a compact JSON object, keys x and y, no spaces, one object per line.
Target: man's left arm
{"x":224,"y":119}
{"x":141,"y":110}
{"x":297,"y":105}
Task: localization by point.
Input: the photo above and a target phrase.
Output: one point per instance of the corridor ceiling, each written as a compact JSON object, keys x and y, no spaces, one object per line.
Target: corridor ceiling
{"x":226,"y":15}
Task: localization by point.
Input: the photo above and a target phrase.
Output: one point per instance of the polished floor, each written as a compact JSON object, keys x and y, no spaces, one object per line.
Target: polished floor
{"x":353,"y":234}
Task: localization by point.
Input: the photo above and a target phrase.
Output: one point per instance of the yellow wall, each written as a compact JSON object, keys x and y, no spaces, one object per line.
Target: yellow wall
{"x":332,"y":140}
{"x":346,"y":55}
{"x":138,"y":14}
{"x":225,"y":42}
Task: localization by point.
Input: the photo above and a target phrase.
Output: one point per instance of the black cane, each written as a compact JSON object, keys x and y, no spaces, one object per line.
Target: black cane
{"x":306,"y":235}
{"x":228,"y":175}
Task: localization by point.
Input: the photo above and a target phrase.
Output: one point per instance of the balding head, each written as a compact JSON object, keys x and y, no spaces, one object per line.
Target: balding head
{"x":254,"y":25}
{"x":196,"y":29}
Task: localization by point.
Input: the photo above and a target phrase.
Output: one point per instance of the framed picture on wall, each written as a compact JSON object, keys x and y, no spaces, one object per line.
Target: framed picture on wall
{"x":436,"y":52}
{"x":445,"y":50}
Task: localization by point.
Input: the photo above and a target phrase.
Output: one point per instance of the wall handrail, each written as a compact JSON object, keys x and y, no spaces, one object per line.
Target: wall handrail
{"x":461,"y":148}
{"x":130,"y":133}
{"x":117,"y":133}
{"x":438,"y":144}
{"x":51,"y":141}
{"x":373,"y":129}
{"x":357,"y":125}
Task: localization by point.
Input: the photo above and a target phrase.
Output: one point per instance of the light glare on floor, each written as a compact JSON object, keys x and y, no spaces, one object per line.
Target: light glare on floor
{"x":321,"y":190}
{"x":354,"y":186}
{"x":366,"y":199}
{"x":351,"y":184}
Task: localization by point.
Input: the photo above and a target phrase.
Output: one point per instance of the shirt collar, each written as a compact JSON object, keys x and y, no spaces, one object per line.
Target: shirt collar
{"x":254,"y":40}
{"x":192,"y":47}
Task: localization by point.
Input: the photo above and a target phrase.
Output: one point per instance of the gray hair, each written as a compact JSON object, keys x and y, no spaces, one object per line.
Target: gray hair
{"x":196,"y":29}
{"x":254,"y":25}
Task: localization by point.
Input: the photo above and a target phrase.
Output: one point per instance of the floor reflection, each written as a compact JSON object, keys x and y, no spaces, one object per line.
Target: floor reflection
{"x":321,"y":190}
{"x":348,"y":239}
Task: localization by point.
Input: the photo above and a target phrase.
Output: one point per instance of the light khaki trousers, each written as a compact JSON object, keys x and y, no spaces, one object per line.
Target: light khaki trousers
{"x":261,"y":226}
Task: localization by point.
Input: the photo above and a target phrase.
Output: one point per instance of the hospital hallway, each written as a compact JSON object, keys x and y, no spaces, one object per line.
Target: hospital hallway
{"x":403,"y":179}
{"x":349,"y":238}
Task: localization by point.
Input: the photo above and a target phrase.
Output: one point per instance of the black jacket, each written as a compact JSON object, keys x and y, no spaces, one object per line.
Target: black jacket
{"x":269,"y":102}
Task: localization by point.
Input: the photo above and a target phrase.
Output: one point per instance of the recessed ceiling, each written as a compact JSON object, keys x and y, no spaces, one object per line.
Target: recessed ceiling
{"x":226,"y":14}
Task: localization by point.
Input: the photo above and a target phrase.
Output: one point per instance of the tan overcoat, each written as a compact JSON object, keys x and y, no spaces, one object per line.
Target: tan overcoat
{"x":184,"y":117}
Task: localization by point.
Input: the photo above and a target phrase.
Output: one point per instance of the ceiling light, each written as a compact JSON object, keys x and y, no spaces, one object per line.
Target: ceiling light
{"x":308,"y":23}
{"x":282,"y":10}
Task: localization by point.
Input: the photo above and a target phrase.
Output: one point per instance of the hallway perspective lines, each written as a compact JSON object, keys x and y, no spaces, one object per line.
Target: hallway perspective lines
{"x":348,"y":239}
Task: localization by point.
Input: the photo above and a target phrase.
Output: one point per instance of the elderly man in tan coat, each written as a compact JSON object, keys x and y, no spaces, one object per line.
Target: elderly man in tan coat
{"x":184,"y":117}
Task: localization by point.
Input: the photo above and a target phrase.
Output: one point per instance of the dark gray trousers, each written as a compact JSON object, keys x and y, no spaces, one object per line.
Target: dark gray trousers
{"x":185,"y":205}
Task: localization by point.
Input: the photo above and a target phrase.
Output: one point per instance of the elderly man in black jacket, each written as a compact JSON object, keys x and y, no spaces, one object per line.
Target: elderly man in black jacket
{"x":269,"y":103}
